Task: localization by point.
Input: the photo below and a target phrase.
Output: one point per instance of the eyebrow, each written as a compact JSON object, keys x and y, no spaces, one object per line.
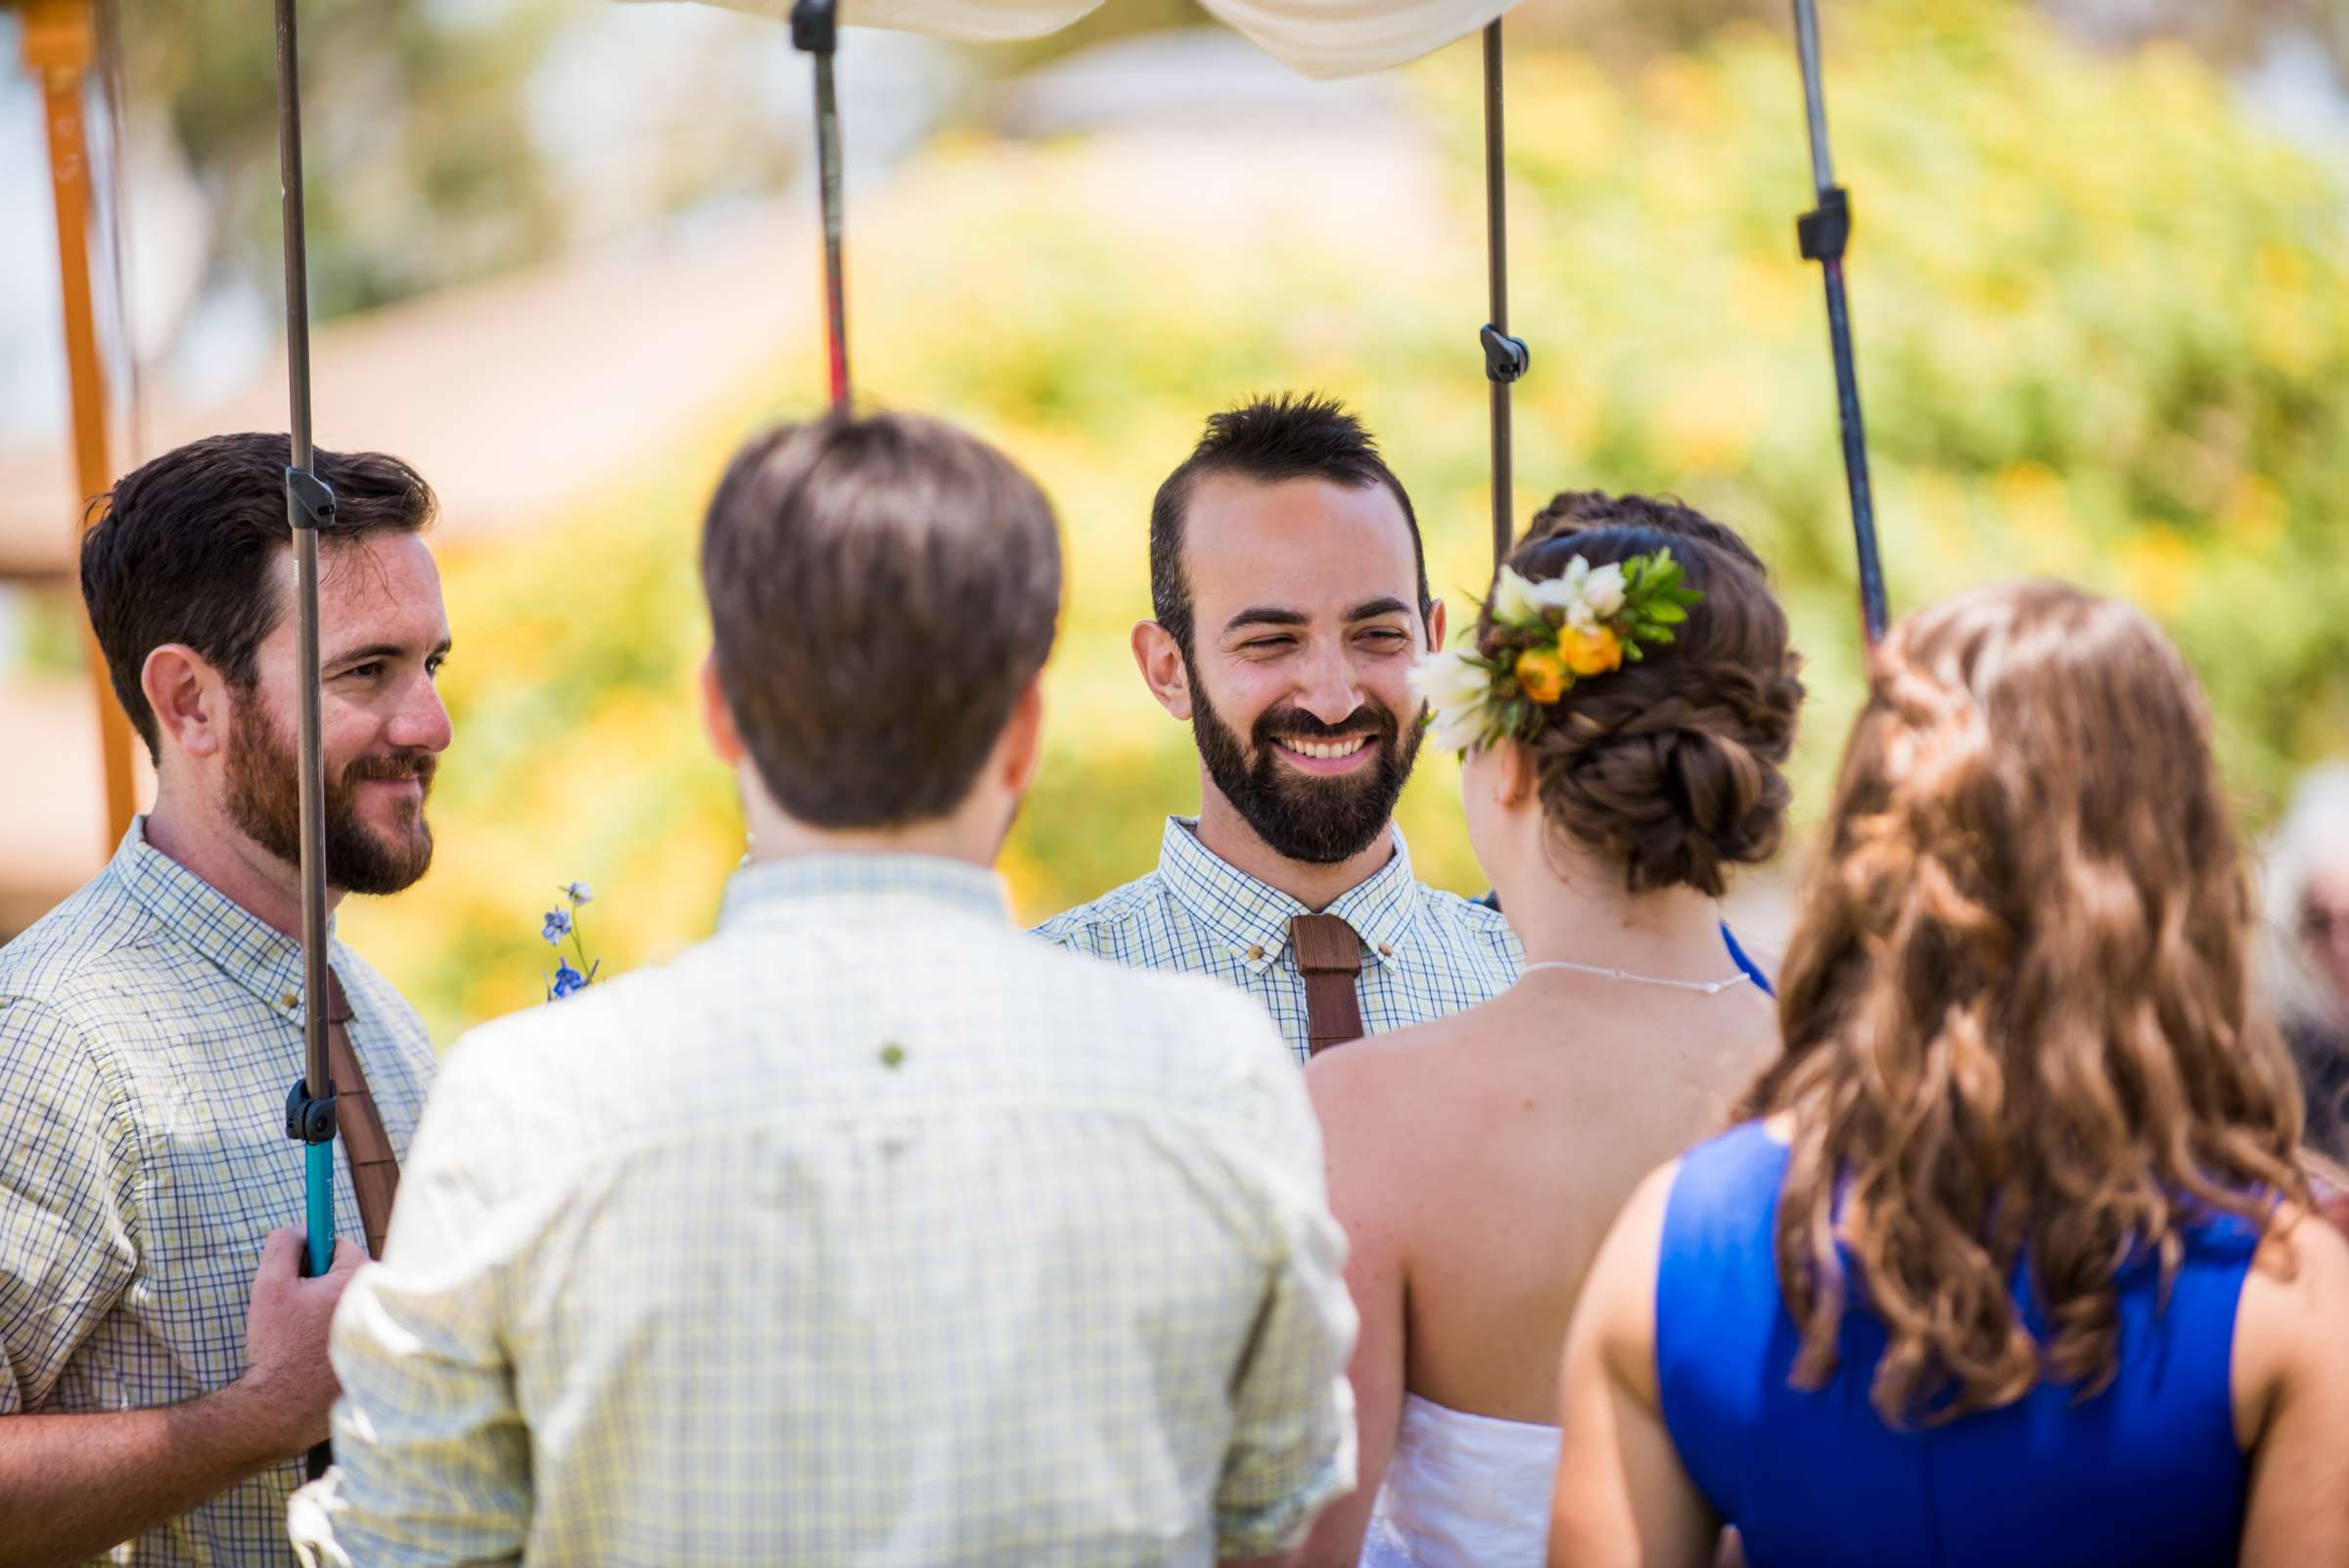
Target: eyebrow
{"x":1270,"y":616}
{"x":1266,"y":616}
{"x":385,"y":650}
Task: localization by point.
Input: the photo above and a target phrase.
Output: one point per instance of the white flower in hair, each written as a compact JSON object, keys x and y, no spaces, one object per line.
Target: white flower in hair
{"x":1537,"y":639}
{"x":1567,"y":593}
{"x":1514,"y":598}
{"x":1450,"y":683}
{"x":1603,"y":589}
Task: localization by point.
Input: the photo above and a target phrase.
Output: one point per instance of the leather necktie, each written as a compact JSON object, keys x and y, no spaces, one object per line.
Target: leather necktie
{"x":374,"y":1168}
{"x":1329,"y":954}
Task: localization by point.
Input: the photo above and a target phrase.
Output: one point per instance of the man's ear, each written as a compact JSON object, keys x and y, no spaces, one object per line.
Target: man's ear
{"x":1022,"y":745}
{"x":717,"y":719}
{"x":1160,"y":659}
{"x":1436,"y":626}
{"x":189,"y":699}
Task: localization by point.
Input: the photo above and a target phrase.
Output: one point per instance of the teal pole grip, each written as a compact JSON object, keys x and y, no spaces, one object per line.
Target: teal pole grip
{"x":320,"y":1185}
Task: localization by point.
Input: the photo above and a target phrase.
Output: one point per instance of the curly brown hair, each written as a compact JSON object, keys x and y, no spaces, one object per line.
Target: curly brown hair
{"x":2016,"y":1011}
{"x":1671,"y":767}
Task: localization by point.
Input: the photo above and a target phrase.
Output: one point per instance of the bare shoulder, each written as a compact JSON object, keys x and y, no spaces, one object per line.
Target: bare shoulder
{"x":2287,"y":1328}
{"x":2301,"y":1268}
{"x":1619,"y":1296}
{"x":1374,"y":1077}
{"x":1377,"y":1101}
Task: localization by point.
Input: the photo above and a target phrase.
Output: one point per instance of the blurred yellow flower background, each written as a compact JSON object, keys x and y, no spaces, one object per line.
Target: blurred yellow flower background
{"x":2103,"y":330}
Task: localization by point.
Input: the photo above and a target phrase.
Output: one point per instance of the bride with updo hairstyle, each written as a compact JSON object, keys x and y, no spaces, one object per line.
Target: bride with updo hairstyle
{"x":1476,"y":1161}
{"x":2011,"y":1260}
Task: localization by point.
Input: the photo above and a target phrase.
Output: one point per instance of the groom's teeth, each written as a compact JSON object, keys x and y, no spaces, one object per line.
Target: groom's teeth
{"x":1327,"y":750}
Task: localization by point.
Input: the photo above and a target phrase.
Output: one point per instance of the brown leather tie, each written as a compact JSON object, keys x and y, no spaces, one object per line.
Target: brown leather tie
{"x":1330,"y":957}
{"x":374,"y":1168}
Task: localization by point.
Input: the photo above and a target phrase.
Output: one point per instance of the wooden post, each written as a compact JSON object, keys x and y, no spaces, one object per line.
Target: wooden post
{"x":60,"y":39}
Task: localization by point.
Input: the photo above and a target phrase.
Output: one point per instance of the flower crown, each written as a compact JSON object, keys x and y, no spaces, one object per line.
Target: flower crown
{"x":1541,"y":639}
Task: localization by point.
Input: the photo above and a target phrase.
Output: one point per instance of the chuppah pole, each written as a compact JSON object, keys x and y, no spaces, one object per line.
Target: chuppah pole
{"x":1824,"y":232}
{"x":1507,"y":358}
{"x":58,"y":46}
{"x":309,"y":504}
{"x":815,"y":31}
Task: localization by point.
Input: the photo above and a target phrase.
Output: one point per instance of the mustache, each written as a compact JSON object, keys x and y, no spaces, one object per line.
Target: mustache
{"x":1295,"y":723}
{"x":419,"y":765}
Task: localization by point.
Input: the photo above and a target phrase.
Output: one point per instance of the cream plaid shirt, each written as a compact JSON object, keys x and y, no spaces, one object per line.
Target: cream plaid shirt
{"x":1425,"y":953}
{"x":870,"y":1231}
{"x":148,"y":1031}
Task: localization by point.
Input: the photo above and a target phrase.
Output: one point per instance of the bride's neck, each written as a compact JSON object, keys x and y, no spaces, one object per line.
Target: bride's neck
{"x":1576,"y":907}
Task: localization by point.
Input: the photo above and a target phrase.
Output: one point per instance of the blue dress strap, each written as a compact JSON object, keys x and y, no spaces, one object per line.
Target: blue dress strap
{"x":1738,"y":955}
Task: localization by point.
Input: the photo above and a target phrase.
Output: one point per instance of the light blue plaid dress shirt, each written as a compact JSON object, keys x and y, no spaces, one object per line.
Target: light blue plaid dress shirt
{"x":870,"y":1231}
{"x":1426,"y":953}
{"x":150,"y":1028}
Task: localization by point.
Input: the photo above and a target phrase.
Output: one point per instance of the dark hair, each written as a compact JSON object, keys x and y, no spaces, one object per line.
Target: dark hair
{"x":1572,"y":512}
{"x":1671,"y":767}
{"x":881,"y":591}
{"x":1269,"y":440}
{"x":181,"y":551}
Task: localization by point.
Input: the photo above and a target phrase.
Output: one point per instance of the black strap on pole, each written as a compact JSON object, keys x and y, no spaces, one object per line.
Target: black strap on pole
{"x":815,"y":31}
{"x":310,"y":1105}
{"x":1823,"y":234}
{"x":1505,"y":358}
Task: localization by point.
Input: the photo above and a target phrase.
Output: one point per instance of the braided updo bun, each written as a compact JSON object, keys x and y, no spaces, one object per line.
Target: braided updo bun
{"x":1670,"y":766}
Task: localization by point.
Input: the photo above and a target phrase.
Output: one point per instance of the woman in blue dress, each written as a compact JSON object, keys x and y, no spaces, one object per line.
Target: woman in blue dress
{"x":2011,"y":1263}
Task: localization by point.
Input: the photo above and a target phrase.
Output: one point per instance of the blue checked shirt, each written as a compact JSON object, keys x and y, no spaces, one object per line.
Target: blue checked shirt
{"x":150,"y":1028}
{"x":1425,"y":953}
{"x":870,"y":1231}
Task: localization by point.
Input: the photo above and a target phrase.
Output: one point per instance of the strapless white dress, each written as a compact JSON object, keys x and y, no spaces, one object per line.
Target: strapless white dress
{"x":1462,"y":1491}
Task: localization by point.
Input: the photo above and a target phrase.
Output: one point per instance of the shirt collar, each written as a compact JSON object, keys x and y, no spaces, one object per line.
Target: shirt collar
{"x":226,"y":934}
{"x":1251,"y":917}
{"x":777,"y":884}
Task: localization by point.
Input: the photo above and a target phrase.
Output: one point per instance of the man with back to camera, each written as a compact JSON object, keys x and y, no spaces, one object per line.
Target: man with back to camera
{"x":1290,"y":596}
{"x":163,"y":1365}
{"x":868,"y":1231}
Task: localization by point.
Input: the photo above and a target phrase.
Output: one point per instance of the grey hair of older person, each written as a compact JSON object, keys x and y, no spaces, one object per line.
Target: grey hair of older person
{"x":2313,"y":833}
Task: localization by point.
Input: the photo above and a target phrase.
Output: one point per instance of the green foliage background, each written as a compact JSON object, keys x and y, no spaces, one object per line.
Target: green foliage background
{"x":2104,"y":328}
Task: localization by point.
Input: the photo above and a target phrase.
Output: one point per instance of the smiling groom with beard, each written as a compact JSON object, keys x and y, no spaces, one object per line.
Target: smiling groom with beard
{"x":1289,"y":589}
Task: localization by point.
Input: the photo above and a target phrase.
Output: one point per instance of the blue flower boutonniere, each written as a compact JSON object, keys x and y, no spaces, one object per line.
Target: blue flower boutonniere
{"x":562,"y":923}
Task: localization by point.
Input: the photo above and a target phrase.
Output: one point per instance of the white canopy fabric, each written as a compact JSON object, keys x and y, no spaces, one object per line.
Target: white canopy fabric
{"x":1318,"y":37}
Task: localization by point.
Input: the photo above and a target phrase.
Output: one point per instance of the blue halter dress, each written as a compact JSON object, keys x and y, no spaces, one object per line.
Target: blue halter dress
{"x":2146,"y":1474}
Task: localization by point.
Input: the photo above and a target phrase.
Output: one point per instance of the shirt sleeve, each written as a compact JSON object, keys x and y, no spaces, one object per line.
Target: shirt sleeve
{"x":431,"y":1454}
{"x":69,"y":1162}
{"x":1293,"y":1440}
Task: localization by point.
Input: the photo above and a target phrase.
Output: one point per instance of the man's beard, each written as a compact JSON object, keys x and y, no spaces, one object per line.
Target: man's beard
{"x":1318,"y":820}
{"x":265,"y":801}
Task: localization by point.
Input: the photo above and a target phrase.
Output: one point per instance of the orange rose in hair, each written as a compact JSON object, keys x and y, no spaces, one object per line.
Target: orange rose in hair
{"x":1590,"y":653}
{"x":1543,"y":675}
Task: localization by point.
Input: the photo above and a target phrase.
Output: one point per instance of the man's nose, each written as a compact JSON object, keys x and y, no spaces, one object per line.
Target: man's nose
{"x":421,"y":723}
{"x":1329,"y":691}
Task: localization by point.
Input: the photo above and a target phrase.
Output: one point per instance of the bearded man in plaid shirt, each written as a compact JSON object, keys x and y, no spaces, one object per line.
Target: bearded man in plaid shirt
{"x":163,"y":1367}
{"x":1289,"y":589}
{"x":869,"y":1231}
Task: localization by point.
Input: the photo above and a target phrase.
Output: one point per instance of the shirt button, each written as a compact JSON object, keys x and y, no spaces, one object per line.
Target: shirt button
{"x":1385,"y":951}
{"x":287,"y":999}
{"x":1255,"y":953}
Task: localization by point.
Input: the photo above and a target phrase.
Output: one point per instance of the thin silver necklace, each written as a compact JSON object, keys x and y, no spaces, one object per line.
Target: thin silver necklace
{"x":1710,"y":988}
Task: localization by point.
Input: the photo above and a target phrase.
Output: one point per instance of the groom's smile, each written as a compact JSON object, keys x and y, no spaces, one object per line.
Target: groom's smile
{"x":1325,"y":759}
